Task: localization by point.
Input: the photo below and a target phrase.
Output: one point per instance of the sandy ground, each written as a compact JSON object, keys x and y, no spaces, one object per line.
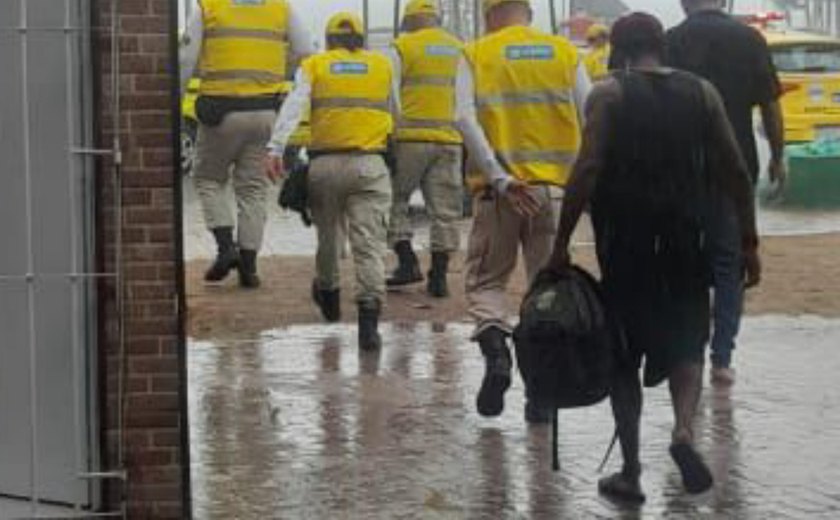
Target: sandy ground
{"x":802,"y":276}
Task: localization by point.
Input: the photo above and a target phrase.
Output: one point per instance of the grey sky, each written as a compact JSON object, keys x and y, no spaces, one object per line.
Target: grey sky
{"x":316,"y":12}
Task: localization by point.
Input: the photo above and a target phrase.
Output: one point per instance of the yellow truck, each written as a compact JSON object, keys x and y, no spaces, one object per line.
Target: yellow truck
{"x":809,"y":69}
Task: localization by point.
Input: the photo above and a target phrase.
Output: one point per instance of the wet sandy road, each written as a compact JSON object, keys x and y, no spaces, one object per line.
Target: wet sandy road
{"x":297,"y":424}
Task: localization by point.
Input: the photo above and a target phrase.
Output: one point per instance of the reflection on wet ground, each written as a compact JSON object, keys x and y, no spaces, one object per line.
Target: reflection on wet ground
{"x":298,"y":424}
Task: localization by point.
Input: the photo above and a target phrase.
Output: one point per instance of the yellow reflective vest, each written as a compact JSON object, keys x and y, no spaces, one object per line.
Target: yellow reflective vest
{"x":524,"y":84}
{"x":245,"y":47}
{"x":597,"y":62}
{"x":302,"y":136}
{"x":429,"y":59}
{"x":350,"y":106}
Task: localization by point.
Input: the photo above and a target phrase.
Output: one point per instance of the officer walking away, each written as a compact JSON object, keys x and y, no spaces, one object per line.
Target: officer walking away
{"x":598,"y":58}
{"x":520,"y":93}
{"x":735,"y":59}
{"x":428,"y":146}
{"x":350,"y":93}
{"x":239,"y":50}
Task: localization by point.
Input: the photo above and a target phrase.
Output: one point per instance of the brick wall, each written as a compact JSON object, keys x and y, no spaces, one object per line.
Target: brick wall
{"x":153,"y":403}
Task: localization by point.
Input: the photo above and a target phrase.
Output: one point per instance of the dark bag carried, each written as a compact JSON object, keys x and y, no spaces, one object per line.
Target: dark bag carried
{"x":564,"y":346}
{"x":294,"y":195}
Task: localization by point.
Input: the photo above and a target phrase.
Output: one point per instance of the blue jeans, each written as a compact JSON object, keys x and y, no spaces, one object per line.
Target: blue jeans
{"x":728,"y":275}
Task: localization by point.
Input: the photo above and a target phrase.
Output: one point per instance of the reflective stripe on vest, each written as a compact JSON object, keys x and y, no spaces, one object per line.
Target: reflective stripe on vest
{"x":433,"y":81}
{"x":253,"y":34}
{"x":244,"y":75}
{"x":537,"y":156}
{"x":320,"y":103}
{"x":524,"y":83}
{"x":245,"y":47}
{"x":544,"y":97}
{"x":429,"y":59}
{"x":427,"y":124}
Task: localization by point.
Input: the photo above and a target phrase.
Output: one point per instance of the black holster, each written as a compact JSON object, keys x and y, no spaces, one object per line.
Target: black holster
{"x":211,"y":110}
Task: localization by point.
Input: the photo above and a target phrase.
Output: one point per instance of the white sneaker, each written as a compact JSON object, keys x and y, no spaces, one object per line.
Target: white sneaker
{"x":723,"y":376}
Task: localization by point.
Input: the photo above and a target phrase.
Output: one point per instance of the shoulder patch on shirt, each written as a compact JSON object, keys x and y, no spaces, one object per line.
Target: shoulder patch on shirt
{"x":529,"y":52}
{"x":349,"y":67}
{"x":441,"y":50}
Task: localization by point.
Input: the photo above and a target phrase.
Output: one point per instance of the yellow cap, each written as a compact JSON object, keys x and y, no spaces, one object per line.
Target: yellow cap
{"x":345,"y":23}
{"x":415,"y":7}
{"x":486,"y":5}
{"x":596,"y":31}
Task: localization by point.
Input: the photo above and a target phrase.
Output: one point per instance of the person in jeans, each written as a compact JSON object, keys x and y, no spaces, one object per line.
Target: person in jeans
{"x":657,"y":149}
{"x":735,"y":59}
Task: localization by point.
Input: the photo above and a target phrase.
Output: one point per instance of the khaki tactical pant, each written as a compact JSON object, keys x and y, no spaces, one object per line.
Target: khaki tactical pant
{"x":355,"y":188}
{"x":235,"y":150}
{"x":497,"y":233}
{"x":436,"y":169}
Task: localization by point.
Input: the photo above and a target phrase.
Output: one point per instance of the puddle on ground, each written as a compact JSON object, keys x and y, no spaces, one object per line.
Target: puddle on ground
{"x":296,"y":423}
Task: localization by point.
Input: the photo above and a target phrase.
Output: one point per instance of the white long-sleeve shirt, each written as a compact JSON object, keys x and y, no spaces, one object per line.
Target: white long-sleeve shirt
{"x":300,"y":41}
{"x":295,"y":105}
{"x":474,"y":137}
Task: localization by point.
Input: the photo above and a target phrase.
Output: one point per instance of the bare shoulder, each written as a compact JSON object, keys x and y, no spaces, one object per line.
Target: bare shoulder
{"x":604,"y":92}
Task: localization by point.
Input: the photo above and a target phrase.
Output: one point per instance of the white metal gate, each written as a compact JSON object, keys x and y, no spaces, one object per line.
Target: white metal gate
{"x":48,"y":430}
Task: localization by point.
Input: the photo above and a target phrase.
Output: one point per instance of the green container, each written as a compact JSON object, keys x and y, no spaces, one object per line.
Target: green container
{"x":813,"y":175}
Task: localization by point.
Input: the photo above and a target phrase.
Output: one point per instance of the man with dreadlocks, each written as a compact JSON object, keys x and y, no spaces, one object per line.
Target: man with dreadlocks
{"x":657,"y":151}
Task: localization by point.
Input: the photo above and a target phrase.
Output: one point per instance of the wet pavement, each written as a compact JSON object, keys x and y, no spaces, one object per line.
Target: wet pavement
{"x":296,"y":423}
{"x":286,"y":235}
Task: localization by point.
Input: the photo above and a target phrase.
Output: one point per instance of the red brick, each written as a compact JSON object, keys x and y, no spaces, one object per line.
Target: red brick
{"x":154,"y":365}
{"x":143,"y":346}
{"x":151,"y":457}
{"x":152,"y":83}
{"x":157,"y":120}
{"x":153,"y":402}
{"x":147,"y":101}
{"x":137,"y":197}
{"x":147,"y":420}
{"x":165,"y":383}
{"x":157,"y":157}
{"x":161,"y":234}
{"x":148,"y":216}
{"x":142,"y":272}
{"x":148,"y":252}
{"x":154,"y":44}
{"x":137,"y":64}
{"x":151,"y":291}
{"x":145,"y":24}
{"x":164,"y":439}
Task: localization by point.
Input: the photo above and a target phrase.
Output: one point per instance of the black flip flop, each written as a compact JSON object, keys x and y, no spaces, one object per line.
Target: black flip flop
{"x":619,"y":487}
{"x":695,"y":474}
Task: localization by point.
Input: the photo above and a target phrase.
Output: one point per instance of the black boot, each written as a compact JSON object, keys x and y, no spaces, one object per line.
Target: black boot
{"x":408,"y":269}
{"x":491,"y":396}
{"x":227,"y":257}
{"x":328,"y":301}
{"x":369,"y":338}
{"x":436,"y":285}
{"x":248,"y":277}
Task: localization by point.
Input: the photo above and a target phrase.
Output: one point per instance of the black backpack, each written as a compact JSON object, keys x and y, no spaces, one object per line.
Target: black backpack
{"x":565,"y":346}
